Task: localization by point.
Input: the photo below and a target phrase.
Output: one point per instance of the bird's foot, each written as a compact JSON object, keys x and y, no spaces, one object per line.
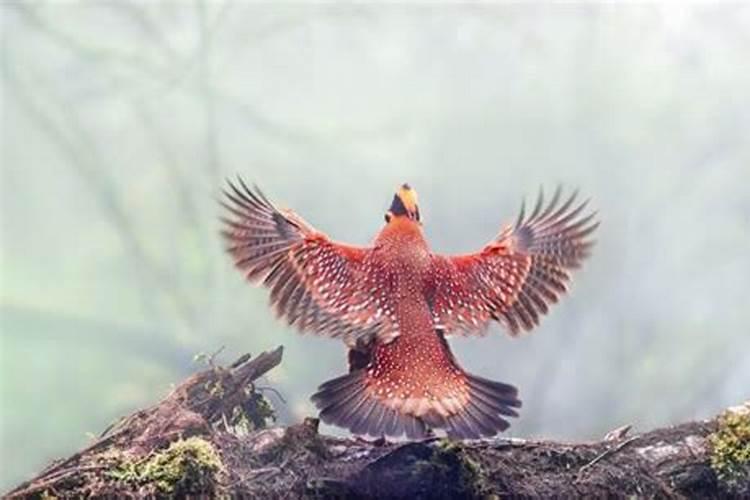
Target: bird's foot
{"x":377,"y":442}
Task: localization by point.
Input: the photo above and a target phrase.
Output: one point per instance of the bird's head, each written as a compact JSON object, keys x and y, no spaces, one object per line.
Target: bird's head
{"x":404,"y":205}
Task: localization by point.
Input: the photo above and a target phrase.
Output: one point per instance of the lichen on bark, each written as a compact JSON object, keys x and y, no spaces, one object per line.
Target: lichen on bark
{"x":187,"y":466}
{"x":730,"y":447}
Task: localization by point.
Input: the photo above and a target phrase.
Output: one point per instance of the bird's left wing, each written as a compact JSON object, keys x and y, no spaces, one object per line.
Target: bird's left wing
{"x":315,"y":283}
{"x":515,"y":277}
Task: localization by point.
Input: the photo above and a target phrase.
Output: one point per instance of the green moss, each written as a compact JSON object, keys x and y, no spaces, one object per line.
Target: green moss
{"x":730,"y":448}
{"x":471,"y":467}
{"x":188,"y":466}
{"x":448,"y":445}
{"x":254,"y":413}
{"x":471,"y":476}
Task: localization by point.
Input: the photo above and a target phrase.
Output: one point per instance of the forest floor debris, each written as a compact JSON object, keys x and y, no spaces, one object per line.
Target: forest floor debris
{"x":213,"y":436}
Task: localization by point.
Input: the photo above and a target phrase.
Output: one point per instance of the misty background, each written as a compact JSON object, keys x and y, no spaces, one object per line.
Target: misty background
{"x":121,"y":120}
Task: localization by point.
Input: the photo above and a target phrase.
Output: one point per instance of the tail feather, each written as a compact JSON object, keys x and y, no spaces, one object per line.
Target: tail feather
{"x":370,"y":419}
{"x":490,"y":406}
{"x":361,"y":421}
{"x":351,"y":411}
{"x":486,"y":423}
{"x":393,"y":426}
{"x":337,"y":398}
{"x":464,"y":426}
{"x":498,"y":394}
{"x":346,"y":402}
{"x":481,"y":415}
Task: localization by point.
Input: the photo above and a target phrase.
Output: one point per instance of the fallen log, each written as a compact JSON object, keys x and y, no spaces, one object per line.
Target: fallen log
{"x":212,"y":436}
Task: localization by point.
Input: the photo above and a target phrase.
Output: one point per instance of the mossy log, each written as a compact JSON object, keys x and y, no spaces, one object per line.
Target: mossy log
{"x":211,"y":438}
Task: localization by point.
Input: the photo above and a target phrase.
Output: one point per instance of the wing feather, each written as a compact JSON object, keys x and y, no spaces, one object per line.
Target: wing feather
{"x":517,"y":276}
{"x":315,"y":284}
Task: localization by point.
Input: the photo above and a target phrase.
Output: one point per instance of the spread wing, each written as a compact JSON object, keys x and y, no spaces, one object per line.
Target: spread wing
{"x":514,"y":278}
{"x":315,"y":284}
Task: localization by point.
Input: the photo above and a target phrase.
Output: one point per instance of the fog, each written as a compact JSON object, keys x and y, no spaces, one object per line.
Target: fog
{"x":121,"y":120}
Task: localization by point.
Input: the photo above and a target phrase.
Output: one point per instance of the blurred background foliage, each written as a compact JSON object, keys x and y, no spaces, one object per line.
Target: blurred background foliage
{"x":121,"y":120}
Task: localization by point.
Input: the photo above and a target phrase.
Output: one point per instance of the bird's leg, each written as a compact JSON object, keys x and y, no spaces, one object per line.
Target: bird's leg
{"x":377,"y":442}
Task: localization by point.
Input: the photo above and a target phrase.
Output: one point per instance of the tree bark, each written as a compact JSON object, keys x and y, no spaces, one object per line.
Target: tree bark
{"x":298,"y":462}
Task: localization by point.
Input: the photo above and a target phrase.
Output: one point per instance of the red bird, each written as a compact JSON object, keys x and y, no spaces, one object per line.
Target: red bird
{"x":394,"y":302}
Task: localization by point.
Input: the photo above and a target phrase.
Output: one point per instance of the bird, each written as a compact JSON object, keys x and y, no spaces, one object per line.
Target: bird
{"x":395,"y":303}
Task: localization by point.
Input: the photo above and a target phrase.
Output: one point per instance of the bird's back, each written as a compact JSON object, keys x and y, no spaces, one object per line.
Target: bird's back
{"x":401,"y":259}
{"x":414,"y":374}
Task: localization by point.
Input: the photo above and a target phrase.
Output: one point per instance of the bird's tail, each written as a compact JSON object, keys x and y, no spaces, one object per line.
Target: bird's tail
{"x":485,"y":412}
{"x":347,"y":402}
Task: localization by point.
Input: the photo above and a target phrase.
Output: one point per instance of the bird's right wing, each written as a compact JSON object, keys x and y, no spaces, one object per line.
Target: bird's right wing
{"x":316,"y":284}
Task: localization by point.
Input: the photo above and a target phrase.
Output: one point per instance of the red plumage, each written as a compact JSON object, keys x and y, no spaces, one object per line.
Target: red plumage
{"x":394,"y":302}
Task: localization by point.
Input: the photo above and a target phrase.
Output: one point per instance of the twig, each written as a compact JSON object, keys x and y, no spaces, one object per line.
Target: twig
{"x":619,"y":433}
{"x":253,"y":474}
{"x":212,"y":357}
{"x":274,"y":391}
{"x":240,"y":361}
{"x":48,"y":481}
{"x":226,"y":423}
{"x":605,"y":454}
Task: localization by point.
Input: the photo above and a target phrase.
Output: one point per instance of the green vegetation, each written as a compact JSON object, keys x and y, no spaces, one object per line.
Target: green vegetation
{"x":730,"y":448}
{"x":255,"y":413}
{"x":186,"y":466}
{"x":471,"y":477}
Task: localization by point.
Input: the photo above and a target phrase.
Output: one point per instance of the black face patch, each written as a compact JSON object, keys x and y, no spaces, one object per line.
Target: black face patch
{"x":397,"y":206}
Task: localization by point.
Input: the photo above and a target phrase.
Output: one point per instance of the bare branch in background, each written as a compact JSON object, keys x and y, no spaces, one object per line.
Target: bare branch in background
{"x":79,"y":148}
{"x":185,"y":193}
{"x":147,"y":345}
{"x":213,"y":161}
{"x":169,"y":75}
